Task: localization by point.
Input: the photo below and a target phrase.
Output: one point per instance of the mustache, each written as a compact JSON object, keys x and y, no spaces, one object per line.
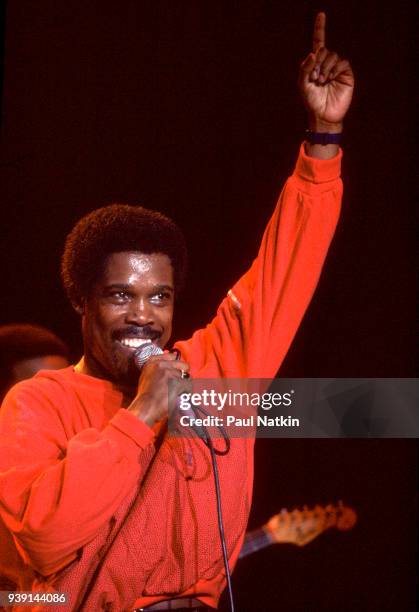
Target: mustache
{"x":142,"y":333}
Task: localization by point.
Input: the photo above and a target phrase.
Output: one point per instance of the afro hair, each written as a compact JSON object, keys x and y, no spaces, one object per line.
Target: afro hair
{"x":113,"y":229}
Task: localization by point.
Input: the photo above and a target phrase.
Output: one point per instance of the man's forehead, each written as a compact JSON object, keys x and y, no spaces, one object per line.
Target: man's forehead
{"x":134,"y":265}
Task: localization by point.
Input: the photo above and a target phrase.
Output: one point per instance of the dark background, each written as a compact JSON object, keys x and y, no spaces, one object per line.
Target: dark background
{"x":192,"y":108}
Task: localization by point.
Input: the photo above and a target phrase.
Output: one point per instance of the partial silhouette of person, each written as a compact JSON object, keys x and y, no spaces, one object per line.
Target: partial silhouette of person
{"x":26,"y":349}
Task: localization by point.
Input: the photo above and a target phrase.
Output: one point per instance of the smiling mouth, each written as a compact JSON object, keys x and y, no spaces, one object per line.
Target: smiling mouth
{"x":133,"y":343}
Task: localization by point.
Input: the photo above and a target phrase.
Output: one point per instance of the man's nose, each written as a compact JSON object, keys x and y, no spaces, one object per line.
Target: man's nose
{"x":140,"y":312}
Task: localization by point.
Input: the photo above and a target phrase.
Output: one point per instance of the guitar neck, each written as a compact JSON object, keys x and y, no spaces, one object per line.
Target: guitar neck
{"x":255,"y":540}
{"x":298,"y":527}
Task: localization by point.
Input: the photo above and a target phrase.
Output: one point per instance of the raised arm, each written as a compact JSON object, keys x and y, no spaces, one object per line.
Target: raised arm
{"x":256,"y":323}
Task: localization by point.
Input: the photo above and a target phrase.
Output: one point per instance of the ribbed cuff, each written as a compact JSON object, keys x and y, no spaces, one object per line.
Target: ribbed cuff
{"x":317,"y":170}
{"x":133,"y":427}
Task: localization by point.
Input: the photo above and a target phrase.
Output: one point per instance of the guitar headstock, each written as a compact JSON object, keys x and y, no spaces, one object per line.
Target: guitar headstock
{"x":301,"y":526}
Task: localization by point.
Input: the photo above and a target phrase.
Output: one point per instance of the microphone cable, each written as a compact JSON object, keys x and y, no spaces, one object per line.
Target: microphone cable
{"x":213,"y":452}
{"x":141,"y":355}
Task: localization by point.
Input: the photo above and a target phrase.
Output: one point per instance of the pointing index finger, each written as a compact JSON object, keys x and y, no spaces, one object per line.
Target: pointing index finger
{"x":319,"y":32}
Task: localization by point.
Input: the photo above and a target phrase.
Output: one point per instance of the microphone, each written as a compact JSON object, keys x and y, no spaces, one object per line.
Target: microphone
{"x":141,"y":356}
{"x":144,"y":352}
{"x":149,"y":349}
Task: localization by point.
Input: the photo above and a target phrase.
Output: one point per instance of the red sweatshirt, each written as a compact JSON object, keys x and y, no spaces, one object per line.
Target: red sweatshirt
{"x":90,"y":505}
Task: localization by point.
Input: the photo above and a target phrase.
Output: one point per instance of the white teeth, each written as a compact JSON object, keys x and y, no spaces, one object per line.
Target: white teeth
{"x":133,"y":342}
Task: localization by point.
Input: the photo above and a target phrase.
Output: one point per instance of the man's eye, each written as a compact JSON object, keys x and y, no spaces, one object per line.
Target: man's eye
{"x":160,"y":297}
{"x":119,"y":296}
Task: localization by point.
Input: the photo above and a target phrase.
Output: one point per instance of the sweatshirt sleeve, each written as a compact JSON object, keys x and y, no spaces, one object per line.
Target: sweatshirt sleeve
{"x":256,"y":322}
{"x":58,"y":489}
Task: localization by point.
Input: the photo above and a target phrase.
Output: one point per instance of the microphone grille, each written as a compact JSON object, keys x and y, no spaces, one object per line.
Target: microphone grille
{"x":144,"y":352}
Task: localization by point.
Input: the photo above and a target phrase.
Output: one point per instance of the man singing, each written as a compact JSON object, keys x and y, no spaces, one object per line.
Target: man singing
{"x":96,"y":499}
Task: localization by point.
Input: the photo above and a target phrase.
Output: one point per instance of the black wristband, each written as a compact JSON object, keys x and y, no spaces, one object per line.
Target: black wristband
{"x":323,"y":138}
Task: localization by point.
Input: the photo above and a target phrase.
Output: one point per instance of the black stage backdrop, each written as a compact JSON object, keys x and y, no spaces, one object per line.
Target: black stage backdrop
{"x":191,"y":108}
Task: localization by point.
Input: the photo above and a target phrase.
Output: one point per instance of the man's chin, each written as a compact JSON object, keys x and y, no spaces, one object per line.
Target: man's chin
{"x":127,"y":376}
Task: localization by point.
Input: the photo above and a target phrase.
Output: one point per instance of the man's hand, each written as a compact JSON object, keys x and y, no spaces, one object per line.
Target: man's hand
{"x":151,"y":403}
{"x":326,"y":83}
